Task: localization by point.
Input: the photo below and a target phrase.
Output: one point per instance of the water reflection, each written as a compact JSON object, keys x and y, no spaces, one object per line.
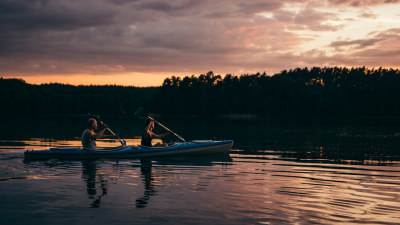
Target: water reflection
{"x":148,"y":180}
{"x":92,"y":178}
{"x":96,"y":174}
{"x":89,"y":174}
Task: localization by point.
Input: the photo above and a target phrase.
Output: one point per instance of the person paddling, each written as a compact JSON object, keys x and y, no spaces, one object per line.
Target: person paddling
{"x":89,"y":136}
{"x":148,"y":135}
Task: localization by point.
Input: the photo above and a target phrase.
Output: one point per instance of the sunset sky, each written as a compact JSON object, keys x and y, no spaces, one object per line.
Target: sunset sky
{"x":141,"y":42}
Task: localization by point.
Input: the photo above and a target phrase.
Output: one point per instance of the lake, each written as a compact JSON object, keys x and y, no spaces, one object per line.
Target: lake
{"x":279,"y":171}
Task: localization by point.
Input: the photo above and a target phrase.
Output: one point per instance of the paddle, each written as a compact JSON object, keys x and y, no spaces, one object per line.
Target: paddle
{"x":97,"y":117}
{"x":143,"y":113}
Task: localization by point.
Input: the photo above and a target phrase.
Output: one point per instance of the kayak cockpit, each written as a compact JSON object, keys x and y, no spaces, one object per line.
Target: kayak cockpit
{"x":99,"y":149}
{"x":108,"y":149}
{"x":169,"y":146}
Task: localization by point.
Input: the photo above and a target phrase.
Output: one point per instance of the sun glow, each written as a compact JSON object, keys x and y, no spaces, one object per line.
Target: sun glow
{"x":133,"y":79}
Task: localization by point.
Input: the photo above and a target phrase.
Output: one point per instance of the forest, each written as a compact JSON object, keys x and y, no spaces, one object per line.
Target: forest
{"x":18,"y":97}
{"x":329,"y":91}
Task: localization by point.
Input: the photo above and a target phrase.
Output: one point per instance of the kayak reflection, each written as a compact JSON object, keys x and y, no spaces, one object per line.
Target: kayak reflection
{"x":100,"y":175}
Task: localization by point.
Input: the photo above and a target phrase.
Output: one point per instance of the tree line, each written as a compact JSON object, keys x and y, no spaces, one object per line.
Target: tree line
{"x":18,"y":97}
{"x":329,"y":91}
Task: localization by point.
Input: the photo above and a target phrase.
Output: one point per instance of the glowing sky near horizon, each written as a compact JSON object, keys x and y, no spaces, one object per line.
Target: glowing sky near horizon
{"x":141,"y":42}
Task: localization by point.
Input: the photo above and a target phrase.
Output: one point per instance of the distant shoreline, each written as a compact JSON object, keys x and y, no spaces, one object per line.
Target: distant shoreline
{"x":226,"y":116}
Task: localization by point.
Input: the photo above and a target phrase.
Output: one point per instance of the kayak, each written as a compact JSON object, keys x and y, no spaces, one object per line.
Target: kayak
{"x":178,"y":148}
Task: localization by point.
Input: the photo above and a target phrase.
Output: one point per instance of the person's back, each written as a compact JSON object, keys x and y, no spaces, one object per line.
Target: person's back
{"x":146,"y":139}
{"x":88,"y":143}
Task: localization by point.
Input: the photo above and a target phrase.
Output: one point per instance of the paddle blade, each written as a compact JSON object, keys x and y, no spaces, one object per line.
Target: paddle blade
{"x":141,"y":112}
{"x":96,"y":117}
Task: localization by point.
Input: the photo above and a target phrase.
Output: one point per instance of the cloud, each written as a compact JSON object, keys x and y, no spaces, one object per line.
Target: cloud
{"x":380,"y":50}
{"x":163,"y":6}
{"x":56,"y":15}
{"x":368,"y":15}
{"x":381,"y":40}
{"x":284,"y":15}
{"x":362,"y":43}
{"x":362,"y":3}
{"x":372,"y":33}
{"x":122,"y":2}
{"x":258,"y":7}
{"x":310,"y":19}
{"x":243,"y":9}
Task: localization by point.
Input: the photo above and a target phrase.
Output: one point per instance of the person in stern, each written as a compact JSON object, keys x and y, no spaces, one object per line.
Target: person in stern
{"x":148,"y":135}
{"x":89,"y":137}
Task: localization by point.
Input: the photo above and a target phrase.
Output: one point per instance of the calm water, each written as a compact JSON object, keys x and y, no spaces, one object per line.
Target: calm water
{"x":279,"y":171}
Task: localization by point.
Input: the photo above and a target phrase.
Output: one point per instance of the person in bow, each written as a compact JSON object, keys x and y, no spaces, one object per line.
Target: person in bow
{"x":148,"y":135}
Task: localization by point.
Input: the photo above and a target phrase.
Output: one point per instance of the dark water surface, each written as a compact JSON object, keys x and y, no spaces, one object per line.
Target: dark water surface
{"x":279,"y":171}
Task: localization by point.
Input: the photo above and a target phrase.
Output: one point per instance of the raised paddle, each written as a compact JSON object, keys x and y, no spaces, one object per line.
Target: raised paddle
{"x":143,"y":113}
{"x":97,"y":117}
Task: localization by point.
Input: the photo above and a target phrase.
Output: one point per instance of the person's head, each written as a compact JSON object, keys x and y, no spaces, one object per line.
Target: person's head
{"x":92,"y":124}
{"x":147,"y":121}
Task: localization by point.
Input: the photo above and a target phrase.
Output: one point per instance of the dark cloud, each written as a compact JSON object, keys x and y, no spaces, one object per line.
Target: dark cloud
{"x":284,"y":15}
{"x":163,"y":6}
{"x":57,"y":15}
{"x":362,"y":43}
{"x":122,"y":2}
{"x":259,"y":7}
{"x":246,"y":9}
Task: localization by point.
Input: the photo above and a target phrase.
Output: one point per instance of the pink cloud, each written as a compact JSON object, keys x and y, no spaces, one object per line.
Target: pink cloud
{"x":362,"y":3}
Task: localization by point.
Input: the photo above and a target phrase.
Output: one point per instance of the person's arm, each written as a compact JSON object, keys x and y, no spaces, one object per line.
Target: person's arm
{"x":93,"y":135}
{"x":160,"y":135}
{"x":104,"y":136}
{"x":147,"y":129}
